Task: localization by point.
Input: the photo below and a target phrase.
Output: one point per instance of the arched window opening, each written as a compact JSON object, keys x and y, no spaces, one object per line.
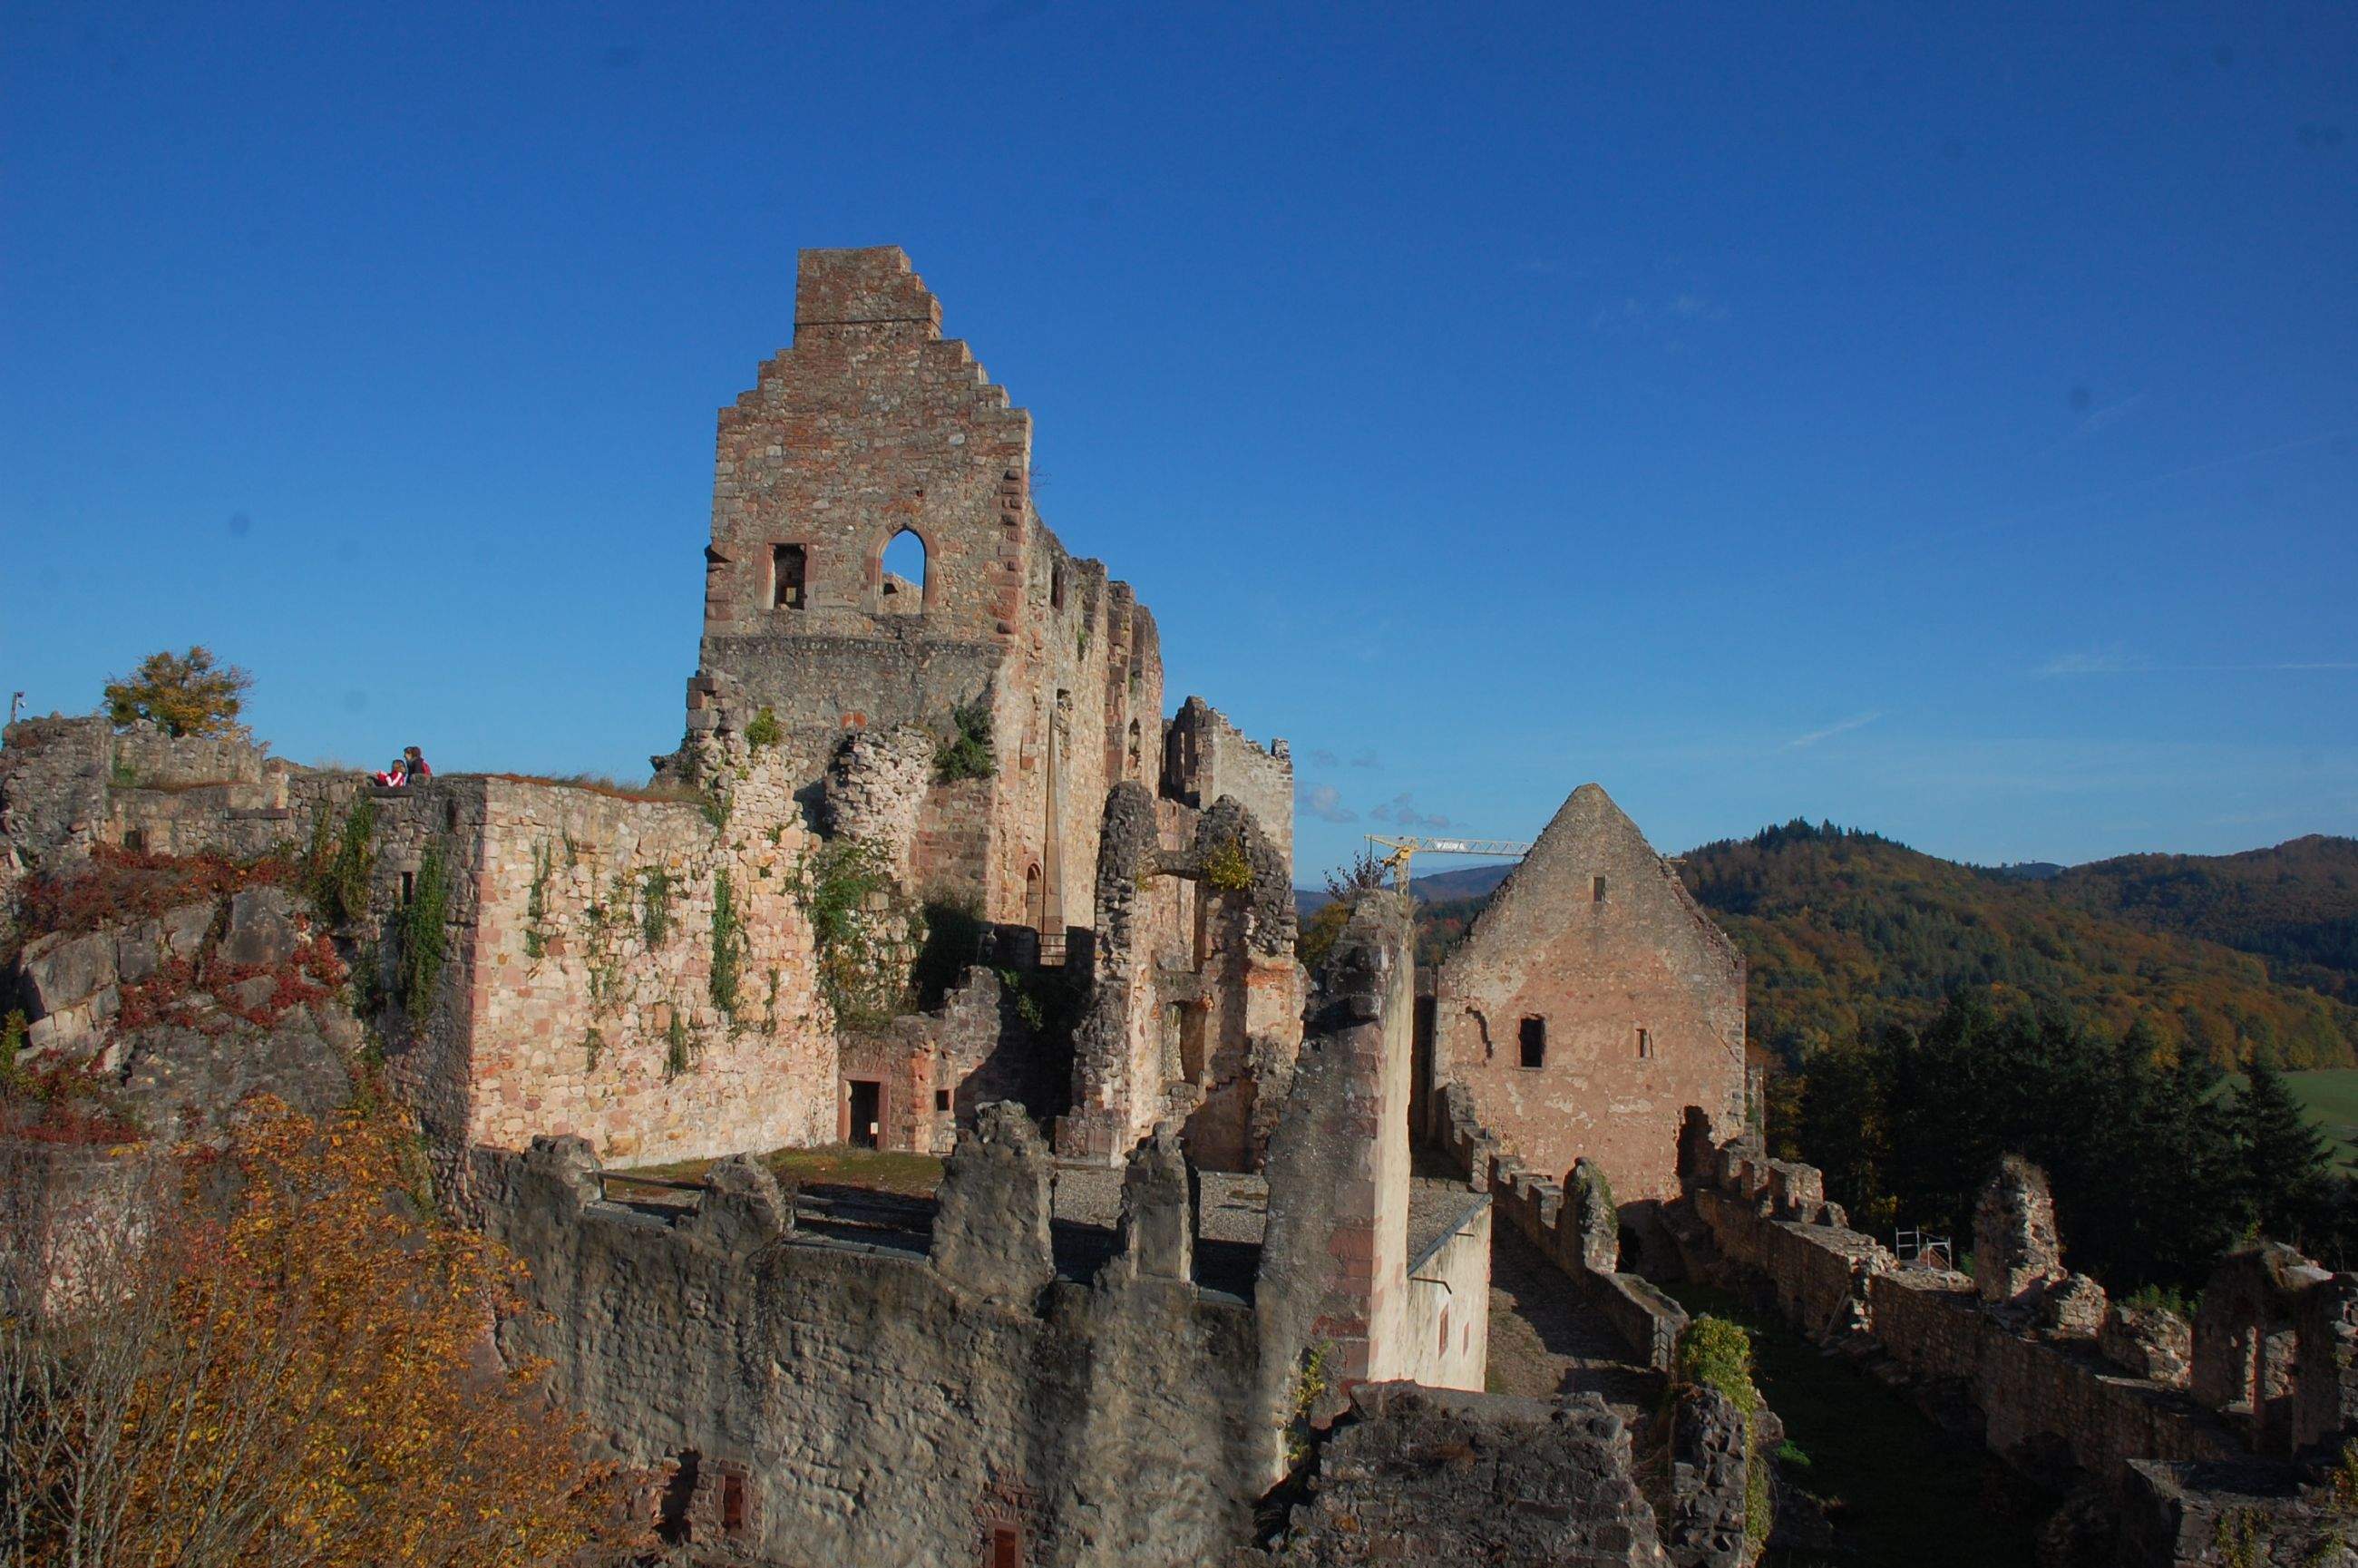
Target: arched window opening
{"x":1036,"y":898}
{"x":903,"y":578}
{"x":1531,"y":1040}
{"x":1137,"y":756}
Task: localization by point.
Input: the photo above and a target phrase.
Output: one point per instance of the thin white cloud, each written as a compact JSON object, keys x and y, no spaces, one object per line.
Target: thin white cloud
{"x":1855,"y":721}
{"x":1402,"y":810}
{"x":1325,"y":802}
{"x":2115,"y":662}
{"x":2111,"y":661}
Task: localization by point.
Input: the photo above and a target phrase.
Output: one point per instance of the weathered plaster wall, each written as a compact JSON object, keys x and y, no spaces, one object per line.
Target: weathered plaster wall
{"x":1596,"y":970}
{"x":1446,"y":1326}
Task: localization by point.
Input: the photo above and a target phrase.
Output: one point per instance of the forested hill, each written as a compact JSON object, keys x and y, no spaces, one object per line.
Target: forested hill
{"x":2296,"y":905}
{"x":1847,"y":930}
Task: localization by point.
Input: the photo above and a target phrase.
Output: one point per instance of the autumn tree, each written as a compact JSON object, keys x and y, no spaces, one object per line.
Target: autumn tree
{"x":180,"y":694}
{"x":281,"y":1362}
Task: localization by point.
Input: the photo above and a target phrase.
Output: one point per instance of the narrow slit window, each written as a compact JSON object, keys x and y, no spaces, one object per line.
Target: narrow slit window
{"x":408,"y":887}
{"x":1055,"y":587}
{"x":1532,"y":1038}
{"x":1006,"y":1547}
{"x":1596,"y":890}
{"x":1645,"y":1044}
{"x":789,"y":564}
{"x":732,"y":1503}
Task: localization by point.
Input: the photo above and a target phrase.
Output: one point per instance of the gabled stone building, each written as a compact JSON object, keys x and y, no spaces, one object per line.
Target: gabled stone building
{"x":1591,"y":1003}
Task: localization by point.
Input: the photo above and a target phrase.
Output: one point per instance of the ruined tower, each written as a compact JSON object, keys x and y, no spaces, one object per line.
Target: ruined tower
{"x":872,"y":426}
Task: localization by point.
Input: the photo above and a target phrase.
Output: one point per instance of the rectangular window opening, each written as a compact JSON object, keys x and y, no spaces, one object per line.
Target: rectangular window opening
{"x":1596,"y":890}
{"x":1644,"y":1043}
{"x":1531,"y":1037}
{"x":733,"y":1504}
{"x":941,"y":1099}
{"x":1006,"y":1546}
{"x":787,"y":566}
{"x":408,"y":887}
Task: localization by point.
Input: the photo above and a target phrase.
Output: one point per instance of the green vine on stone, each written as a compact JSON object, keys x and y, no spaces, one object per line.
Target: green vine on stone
{"x":1228,"y":869}
{"x":425,"y":932}
{"x":593,"y":1045}
{"x":654,"y":915}
{"x":967,"y":751}
{"x":1311,"y":1381}
{"x":342,"y":861}
{"x":836,"y":885}
{"x":680,"y":1047}
{"x":727,"y":946}
{"x":1716,"y":1354}
{"x":764,"y":730}
{"x":536,"y":901}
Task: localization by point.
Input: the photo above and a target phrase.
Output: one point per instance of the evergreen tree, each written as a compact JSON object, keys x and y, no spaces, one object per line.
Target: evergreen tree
{"x":2287,"y":1172}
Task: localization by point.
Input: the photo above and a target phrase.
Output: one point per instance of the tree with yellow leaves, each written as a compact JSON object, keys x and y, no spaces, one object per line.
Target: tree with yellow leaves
{"x":285,"y":1363}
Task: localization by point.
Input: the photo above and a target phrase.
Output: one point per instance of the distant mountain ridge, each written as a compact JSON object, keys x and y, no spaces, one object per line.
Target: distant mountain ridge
{"x":1847,"y":931}
{"x":2227,"y":955}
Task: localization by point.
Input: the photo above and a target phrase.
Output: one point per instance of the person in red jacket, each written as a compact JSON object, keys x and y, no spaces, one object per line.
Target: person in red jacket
{"x":418,"y":769}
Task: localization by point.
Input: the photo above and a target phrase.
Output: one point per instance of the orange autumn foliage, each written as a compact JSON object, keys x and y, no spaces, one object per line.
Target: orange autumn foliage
{"x":287,"y":1365}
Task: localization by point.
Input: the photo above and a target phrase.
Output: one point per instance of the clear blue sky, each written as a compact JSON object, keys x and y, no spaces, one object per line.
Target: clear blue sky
{"x":1942,"y":419}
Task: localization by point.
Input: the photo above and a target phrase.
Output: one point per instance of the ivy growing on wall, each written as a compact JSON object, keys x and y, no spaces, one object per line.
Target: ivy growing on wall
{"x":535,"y":903}
{"x":341,"y":860}
{"x":1714,"y":1353}
{"x":424,"y":931}
{"x":967,"y":751}
{"x":654,"y":914}
{"x":727,"y":945}
{"x":680,"y":1047}
{"x":764,"y":730}
{"x":1228,"y":869}
{"x":861,"y":970}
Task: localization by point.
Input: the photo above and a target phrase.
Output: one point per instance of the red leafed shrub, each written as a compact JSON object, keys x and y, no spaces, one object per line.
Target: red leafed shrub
{"x":179,"y":992}
{"x":122,"y":885}
{"x":56,"y":1102}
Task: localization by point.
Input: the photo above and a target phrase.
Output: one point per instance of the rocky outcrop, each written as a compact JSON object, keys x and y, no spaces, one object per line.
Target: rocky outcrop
{"x":1425,"y":1475}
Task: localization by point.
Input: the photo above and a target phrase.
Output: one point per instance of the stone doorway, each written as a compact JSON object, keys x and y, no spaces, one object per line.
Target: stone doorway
{"x":866,"y":1120}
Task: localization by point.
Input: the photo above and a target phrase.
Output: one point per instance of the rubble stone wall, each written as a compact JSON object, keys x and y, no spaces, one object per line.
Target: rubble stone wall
{"x":885,"y":1406}
{"x":580,"y":996}
{"x":2039,"y":1397}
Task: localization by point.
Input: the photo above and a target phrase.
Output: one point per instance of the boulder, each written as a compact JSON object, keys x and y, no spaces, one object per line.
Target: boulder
{"x":262,"y":927}
{"x":62,"y":972}
{"x":2073,"y":1306}
{"x":184,"y":929}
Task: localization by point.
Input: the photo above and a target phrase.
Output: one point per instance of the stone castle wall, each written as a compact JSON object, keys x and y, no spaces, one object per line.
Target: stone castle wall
{"x":1578,"y":1233}
{"x":1636,"y":998}
{"x":897,"y":1407}
{"x":576,"y":1006}
{"x":2045,"y":1393}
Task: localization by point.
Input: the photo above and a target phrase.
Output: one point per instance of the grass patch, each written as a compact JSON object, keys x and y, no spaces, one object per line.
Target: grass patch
{"x":1885,"y":1470}
{"x":603,"y":784}
{"x":835,"y":1165}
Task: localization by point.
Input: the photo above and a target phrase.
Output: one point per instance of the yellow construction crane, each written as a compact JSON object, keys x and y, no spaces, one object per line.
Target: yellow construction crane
{"x":1404,"y":849}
